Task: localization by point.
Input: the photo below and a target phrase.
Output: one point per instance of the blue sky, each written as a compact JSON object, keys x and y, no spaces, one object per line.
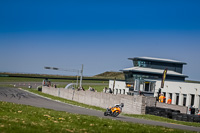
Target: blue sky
{"x":99,"y":34}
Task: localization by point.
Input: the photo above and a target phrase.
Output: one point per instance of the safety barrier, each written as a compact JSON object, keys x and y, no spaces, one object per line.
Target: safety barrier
{"x":172,"y":114}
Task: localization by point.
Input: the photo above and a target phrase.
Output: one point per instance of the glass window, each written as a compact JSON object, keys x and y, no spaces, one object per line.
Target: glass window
{"x":139,"y":63}
{"x":146,"y":86}
{"x":135,"y":63}
{"x":152,"y":86}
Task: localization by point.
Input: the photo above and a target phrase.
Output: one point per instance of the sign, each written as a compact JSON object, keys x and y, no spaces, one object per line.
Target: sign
{"x":129,"y":85}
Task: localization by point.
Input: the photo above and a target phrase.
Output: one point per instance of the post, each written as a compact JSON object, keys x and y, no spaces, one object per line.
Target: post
{"x":81,"y":76}
{"x":77,"y":80}
{"x":113,"y":85}
{"x":167,"y":96}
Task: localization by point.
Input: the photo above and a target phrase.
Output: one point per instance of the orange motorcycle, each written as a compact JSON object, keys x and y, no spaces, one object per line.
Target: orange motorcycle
{"x":114,"y":111}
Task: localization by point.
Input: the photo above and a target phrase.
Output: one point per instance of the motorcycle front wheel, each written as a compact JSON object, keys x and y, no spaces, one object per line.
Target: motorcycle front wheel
{"x":115,"y":114}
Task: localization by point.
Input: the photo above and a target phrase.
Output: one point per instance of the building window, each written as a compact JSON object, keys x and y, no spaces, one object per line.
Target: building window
{"x":120,"y":91}
{"x":116,"y":91}
{"x":152,"y":87}
{"x":170,"y":94}
{"x":177,"y":98}
{"x":146,"y":86}
{"x":192,"y":100}
{"x":184,"y":99}
{"x":123,"y":91}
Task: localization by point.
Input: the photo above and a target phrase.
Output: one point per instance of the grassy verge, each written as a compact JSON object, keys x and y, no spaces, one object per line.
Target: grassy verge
{"x":22,"y":119}
{"x":9,"y":86}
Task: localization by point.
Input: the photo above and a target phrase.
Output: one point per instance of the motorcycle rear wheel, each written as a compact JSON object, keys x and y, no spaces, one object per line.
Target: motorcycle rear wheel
{"x":105,"y":113}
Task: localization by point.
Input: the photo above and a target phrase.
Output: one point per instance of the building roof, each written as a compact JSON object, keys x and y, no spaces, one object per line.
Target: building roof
{"x":153,"y":71}
{"x":158,"y":59}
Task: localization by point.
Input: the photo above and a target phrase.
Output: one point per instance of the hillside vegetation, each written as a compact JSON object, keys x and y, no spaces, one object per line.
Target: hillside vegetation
{"x":105,"y":76}
{"x":112,"y":75}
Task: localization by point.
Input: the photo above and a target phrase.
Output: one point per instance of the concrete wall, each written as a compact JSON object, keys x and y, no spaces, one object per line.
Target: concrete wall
{"x":132,"y":104}
{"x":150,"y":101}
{"x":182,"y":109}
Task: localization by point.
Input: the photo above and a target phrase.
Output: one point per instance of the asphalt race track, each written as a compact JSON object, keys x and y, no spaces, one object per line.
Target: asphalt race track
{"x":19,"y":96}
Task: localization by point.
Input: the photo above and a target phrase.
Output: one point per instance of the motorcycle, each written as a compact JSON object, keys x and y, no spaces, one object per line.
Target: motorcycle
{"x":114,"y":111}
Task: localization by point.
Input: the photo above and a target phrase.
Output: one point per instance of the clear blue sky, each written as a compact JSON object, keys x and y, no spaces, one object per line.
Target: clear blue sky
{"x":99,"y":34}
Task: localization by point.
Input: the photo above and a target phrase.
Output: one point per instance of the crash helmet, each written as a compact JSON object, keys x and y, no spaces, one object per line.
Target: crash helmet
{"x":117,"y":105}
{"x":122,"y":104}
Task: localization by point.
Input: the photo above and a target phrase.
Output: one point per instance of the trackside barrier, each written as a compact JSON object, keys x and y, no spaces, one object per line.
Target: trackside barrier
{"x":172,"y":114}
{"x":132,"y":104}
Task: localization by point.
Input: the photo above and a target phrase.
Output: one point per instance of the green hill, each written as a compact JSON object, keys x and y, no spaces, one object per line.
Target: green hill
{"x":112,"y":75}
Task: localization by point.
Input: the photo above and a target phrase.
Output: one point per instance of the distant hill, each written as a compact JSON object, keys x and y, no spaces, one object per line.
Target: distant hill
{"x":111,"y":75}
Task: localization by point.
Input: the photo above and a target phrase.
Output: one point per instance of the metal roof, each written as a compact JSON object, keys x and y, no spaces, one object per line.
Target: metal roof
{"x":158,"y":59}
{"x":154,"y":71}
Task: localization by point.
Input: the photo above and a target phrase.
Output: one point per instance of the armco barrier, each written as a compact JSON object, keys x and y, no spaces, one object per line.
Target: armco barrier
{"x":132,"y":104}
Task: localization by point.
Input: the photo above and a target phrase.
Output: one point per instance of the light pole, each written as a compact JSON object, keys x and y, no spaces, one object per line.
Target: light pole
{"x":81,"y":76}
{"x":70,"y":70}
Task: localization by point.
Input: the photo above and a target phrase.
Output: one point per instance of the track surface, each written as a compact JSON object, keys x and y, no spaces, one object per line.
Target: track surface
{"x":19,"y":96}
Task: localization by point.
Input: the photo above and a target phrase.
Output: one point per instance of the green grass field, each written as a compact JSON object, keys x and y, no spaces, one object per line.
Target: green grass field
{"x":99,"y":88}
{"x":27,"y":119}
{"x":21,"y":79}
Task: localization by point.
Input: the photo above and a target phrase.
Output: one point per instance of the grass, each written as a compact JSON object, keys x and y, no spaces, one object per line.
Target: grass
{"x":22,"y":119}
{"x":112,"y":75}
{"x":3,"y":85}
{"x":21,"y":79}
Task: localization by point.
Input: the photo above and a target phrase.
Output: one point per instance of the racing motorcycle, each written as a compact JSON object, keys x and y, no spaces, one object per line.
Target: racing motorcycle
{"x":114,"y":111}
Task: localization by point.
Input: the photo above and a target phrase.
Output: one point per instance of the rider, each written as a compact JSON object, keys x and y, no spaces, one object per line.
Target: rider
{"x":117,"y":105}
